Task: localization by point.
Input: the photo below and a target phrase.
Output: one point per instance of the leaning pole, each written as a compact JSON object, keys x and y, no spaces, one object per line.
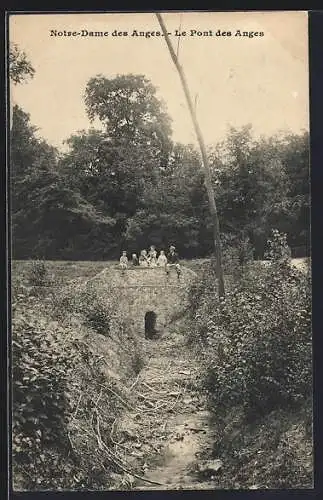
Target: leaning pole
{"x":206,"y":166}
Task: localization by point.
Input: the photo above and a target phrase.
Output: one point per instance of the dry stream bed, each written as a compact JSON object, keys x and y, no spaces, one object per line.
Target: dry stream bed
{"x":167,"y":437}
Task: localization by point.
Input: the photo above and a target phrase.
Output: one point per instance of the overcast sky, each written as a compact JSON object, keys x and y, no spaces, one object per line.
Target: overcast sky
{"x":238,"y":80}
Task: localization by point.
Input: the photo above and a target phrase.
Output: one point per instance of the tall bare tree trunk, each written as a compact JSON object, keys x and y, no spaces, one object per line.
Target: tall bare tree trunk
{"x":207,"y":171}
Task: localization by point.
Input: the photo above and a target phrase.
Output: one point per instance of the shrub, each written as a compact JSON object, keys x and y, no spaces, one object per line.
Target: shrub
{"x":42,"y":363}
{"x":98,"y":318}
{"x":38,"y":274}
{"x":257,"y":341}
{"x":65,"y":398}
{"x":98,"y":313}
{"x":203,"y":286}
{"x":277,"y":247}
{"x":236,"y":253}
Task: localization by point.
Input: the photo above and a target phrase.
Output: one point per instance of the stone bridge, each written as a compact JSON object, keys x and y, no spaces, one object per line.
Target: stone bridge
{"x":147,"y":295}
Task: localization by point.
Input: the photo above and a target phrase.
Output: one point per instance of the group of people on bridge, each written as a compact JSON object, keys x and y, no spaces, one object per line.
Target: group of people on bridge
{"x":151,"y":259}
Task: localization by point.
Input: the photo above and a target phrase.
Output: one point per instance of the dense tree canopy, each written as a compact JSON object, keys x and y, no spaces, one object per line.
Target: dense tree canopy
{"x":128,"y":185}
{"x":174,"y":206}
{"x":264,"y":184}
{"x":129,"y":109}
{"x":50,"y":217}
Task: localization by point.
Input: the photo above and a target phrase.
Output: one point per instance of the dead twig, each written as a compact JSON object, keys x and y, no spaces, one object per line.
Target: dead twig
{"x":135,"y":382}
{"x":77,"y":407}
{"x":152,"y":389}
{"x":117,"y":461}
{"x":96,"y":406}
{"x":176,"y":401}
{"x":100,"y":442}
{"x":112,"y":428}
{"x":125,"y":403}
{"x":116,"y":443}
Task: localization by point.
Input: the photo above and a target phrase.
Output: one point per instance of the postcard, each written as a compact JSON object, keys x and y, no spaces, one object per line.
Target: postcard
{"x":161,"y":273}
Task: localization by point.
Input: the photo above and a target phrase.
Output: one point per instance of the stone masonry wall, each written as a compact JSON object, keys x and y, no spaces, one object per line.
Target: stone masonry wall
{"x":140,"y":290}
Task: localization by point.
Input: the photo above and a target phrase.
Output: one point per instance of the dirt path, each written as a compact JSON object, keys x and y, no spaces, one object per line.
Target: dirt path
{"x":168,"y":435}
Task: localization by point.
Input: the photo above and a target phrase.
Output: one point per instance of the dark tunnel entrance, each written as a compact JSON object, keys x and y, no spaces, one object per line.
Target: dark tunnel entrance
{"x":150,"y":324}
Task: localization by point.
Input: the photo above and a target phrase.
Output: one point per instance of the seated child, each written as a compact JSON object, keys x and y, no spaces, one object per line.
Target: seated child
{"x":162,"y":259}
{"x":124,"y":260}
{"x":134,"y":259}
{"x":152,"y":256}
{"x":143,"y":260}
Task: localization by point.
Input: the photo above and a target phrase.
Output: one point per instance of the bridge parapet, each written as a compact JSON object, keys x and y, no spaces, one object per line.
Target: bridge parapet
{"x":139,"y":291}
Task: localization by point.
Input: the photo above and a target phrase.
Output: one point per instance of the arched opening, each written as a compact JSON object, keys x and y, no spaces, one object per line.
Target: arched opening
{"x":150,"y":324}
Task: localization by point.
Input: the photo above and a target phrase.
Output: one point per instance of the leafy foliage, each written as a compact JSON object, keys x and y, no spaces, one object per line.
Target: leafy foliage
{"x":20,"y":69}
{"x":256,"y":189}
{"x":128,"y":185}
{"x":173,"y":206}
{"x":43,"y":361}
{"x":129,"y":108}
{"x":97,"y":313}
{"x":38,"y":273}
{"x":66,"y":395}
{"x":49,"y":216}
{"x":257,"y":341}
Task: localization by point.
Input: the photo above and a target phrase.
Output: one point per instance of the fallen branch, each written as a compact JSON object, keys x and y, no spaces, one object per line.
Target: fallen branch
{"x":176,"y":401}
{"x":117,"y":461}
{"x":153,"y":390}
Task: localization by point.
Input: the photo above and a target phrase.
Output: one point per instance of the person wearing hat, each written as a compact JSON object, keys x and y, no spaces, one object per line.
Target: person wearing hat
{"x":173,"y":261}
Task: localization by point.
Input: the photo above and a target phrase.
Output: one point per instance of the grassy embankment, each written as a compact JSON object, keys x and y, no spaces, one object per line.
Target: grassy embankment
{"x":74,"y":361}
{"x":256,"y":350}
